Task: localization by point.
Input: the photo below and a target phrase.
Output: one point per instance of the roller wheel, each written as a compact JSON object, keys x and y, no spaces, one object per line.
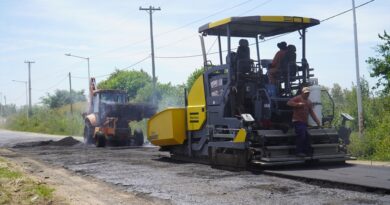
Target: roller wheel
{"x":88,"y":133}
{"x":100,"y":140}
{"x":138,"y":137}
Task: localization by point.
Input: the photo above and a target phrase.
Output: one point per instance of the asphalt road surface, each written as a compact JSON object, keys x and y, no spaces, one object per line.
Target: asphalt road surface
{"x":150,"y":174}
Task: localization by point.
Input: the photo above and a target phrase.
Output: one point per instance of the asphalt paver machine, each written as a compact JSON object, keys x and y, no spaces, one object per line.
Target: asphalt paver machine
{"x":233,"y":116}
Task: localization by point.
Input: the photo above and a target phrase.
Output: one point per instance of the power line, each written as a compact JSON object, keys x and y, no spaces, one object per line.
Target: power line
{"x":132,"y":65}
{"x":17,"y":98}
{"x":176,"y":41}
{"x":157,"y":36}
{"x":212,"y":45}
{"x":339,"y":14}
{"x":268,"y":39}
{"x":180,"y":27}
{"x":212,"y":53}
{"x":201,"y":19}
{"x":68,"y":68}
{"x":175,"y":29}
{"x":216,"y":52}
{"x":79,"y":77}
{"x":256,"y":7}
{"x":189,"y":56}
{"x":185,"y":38}
{"x":136,"y":63}
{"x":122,"y":47}
{"x":53,"y":86}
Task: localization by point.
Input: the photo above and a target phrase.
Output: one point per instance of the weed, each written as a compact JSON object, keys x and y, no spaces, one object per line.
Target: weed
{"x":43,"y":191}
{"x":6,"y":173}
{"x":16,"y":188}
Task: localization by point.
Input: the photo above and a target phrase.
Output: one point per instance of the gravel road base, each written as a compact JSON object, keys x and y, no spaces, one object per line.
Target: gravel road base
{"x":151,"y":175}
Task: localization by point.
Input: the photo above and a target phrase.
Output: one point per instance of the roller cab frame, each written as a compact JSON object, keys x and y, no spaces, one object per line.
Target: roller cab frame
{"x":232,"y":118}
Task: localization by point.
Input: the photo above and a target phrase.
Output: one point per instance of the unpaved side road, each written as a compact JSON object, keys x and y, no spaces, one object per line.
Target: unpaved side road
{"x":71,"y":188}
{"x":151,"y":176}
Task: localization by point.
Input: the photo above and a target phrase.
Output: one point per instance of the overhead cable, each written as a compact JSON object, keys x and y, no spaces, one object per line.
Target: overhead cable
{"x":268,"y":39}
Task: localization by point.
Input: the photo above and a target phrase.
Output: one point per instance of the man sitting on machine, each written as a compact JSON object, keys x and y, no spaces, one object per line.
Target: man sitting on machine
{"x":288,"y":64}
{"x":274,"y":69}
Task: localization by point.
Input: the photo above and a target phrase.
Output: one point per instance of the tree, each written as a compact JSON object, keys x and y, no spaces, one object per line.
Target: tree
{"x":193,"y":76}
{"x":171,"y":96}
{"x":167,"y":95}
{"x":337,"y":94}
{"x":6,"y":110}
{"x":381,"y":64}
{"x":63,"y":97}
{"x":131,"y":81}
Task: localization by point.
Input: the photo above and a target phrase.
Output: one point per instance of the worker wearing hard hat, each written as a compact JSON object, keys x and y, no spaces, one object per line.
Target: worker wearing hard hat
{"x":302,"y":107}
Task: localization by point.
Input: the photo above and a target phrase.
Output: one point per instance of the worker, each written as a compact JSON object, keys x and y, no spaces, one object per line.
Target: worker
{"x":302,"y":107}
{"x":289,"y":61}
{"x":273,"y":72}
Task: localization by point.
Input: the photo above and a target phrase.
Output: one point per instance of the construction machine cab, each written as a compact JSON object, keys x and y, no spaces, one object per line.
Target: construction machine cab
{"x":255,"y":27}
{"x":108,"y":96}
{"x":241,"y":82}
{"x":100,"y":98}
{"x":113,"y":96}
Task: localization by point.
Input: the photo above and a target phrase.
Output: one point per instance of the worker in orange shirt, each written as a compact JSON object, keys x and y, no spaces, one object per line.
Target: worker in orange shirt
{"x":302,"y":107}
{"x":274,"y":70}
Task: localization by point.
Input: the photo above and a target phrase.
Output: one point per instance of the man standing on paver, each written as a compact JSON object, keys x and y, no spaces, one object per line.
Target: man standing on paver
{"x":302,"y":107}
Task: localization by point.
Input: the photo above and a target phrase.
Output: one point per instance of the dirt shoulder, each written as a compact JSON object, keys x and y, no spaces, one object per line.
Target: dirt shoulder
{"x":71,"y":188}
{"x":18,"y":188}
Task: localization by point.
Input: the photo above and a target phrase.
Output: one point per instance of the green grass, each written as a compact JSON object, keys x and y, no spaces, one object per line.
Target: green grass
{"x":44,"y":120}
{"x":373,"y":146}
{"x":17,"y":188}
{"x":6,"y":173}
{"x":43,"y":191}
{"x":5,"y":197}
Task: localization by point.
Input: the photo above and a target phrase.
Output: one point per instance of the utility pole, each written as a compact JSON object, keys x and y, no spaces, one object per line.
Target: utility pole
{"x":70,"y":94}
{"x":358,"y":90}
{"x":89,"y":75}
{"x":5,"y":108}
{"x":25,"y":83}
{"x":29,"y":85}
{"x":1,"y":105}
{"x":150,"y":10}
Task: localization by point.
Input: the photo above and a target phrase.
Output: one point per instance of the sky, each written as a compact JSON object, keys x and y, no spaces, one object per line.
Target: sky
{"x":115,"y":35}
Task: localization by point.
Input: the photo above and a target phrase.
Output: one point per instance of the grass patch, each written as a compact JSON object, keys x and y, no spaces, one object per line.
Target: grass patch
{"x":6,"y":173}
{"x":375,"y":143}
{"x":43,"y":191}
{"x":51,"y":121}
{"x":17,"y":188}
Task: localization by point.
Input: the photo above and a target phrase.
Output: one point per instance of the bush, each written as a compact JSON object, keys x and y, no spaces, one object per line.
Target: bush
{"x":46,"y":120}
{"x":375,"y":143}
